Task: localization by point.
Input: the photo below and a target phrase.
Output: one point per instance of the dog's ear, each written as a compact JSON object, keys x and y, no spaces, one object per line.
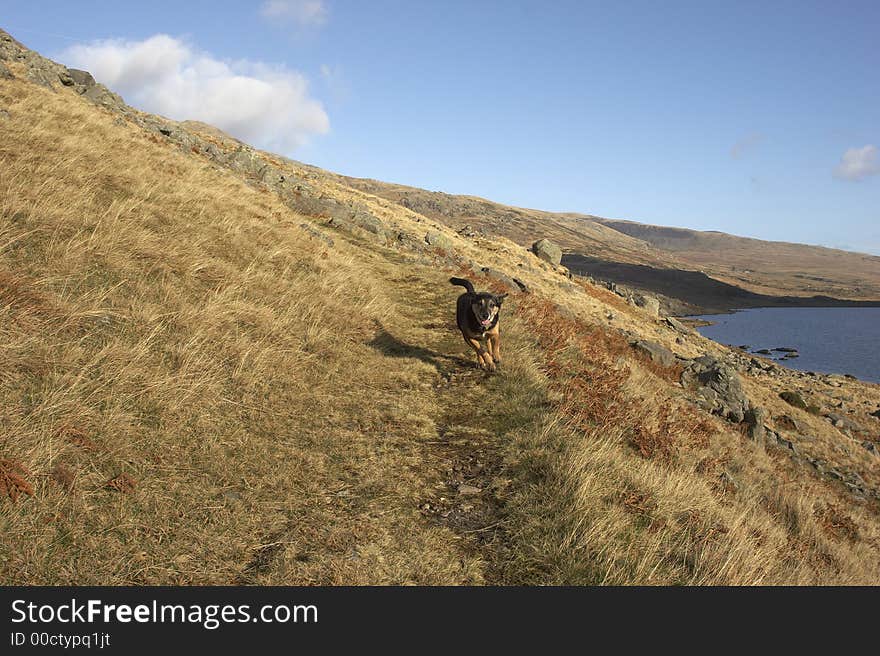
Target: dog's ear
{"x":499,"y":299}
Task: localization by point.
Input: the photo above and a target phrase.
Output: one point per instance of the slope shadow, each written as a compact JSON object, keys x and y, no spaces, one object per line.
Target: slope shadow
{"x":695,"y":287}
{"x":390,"y":345}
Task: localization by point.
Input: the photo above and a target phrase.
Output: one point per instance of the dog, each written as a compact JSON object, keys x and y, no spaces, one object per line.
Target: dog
{"x":477,"y":316}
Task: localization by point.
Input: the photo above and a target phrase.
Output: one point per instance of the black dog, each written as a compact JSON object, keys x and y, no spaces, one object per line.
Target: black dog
{"x":477,"y":317}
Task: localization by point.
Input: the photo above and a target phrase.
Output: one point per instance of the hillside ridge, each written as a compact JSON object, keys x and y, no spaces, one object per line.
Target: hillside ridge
{"x":221,"y":366}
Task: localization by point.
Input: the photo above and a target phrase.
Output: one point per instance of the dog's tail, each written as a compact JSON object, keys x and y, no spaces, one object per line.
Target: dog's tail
{"x":464,"y":283}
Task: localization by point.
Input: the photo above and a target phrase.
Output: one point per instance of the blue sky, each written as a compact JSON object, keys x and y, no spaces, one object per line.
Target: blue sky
{"x":755,"y":118}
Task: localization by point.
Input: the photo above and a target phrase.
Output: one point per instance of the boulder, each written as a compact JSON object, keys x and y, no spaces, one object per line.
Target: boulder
{"x":82,"y":78}
{"x":871,"y":447}
{"x":677,"y":325}
{"x":754,"y":418}
{"x":718,"y":386}
{"x":793,"y":399}
{"x":5,"y":73}
{"x":547,"y":251}
{"x":658,"y":353}
{"x":648,"y":303}
{"x":501,"y":277}
{"x":841,"y":421}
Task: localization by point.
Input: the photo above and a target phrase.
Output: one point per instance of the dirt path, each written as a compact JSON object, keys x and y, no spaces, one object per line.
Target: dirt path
{"x":466,"y":458}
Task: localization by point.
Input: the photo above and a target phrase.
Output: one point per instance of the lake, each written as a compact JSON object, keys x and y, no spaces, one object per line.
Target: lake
{"x":829,"y":340}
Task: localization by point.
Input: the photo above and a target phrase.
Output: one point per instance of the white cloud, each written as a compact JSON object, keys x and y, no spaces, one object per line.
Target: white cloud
{"x":305,"y":13}
{"x":266,"y":105}
{"x":858,"y":163}
{"x":746,"y":143}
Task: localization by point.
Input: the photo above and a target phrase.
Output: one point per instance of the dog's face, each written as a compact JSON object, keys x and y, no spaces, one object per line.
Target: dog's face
{"x":485,"y":308}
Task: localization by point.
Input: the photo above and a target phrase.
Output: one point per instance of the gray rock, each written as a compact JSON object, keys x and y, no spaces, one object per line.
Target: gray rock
{"x":547,"y":251}
{"x":5,"y":73}
{"x":82,"y":78}
{"x":101,"y":95}
{"x":648,"y":303}
{"x":871,"y":447}
{"x":658,"y":353}
{"x":468,"y":490}
{"x":360,"y":223}
{"x":788,"y":444}
{"x":501,"y":277}
{"x":840,"y":421}
{"x":754,"y":418}
{"x":65,"y":78}
{"x":247,"y":161}
{"x":718,"y":386}
{"x":793,"y":399}
{"x":677,"y":325}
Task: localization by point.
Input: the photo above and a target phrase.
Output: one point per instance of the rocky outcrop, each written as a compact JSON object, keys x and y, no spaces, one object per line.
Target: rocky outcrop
{"x":547,"y":251}
{"x":754,"y":419}
{"x":677,"y":326}
{"x":648,"y":303}
{"x":718,"y":387}
{"x":360,"y":223}
{"x":656,"y":352}
{"x":50,"y":74}
{"x":841,"y":421}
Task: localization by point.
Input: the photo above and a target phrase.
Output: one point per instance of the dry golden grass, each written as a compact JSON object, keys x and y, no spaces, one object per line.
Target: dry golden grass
{"x":166,"y":325}
{"x":657,"y":493}
{"x":194,"y":391}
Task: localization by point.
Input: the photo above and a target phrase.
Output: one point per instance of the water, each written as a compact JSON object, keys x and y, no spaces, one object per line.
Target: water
{"x":829,"y":340}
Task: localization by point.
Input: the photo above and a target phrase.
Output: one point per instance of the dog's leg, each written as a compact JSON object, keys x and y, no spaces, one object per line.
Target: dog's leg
{"x":483,"y":356}
{"x":494,"y":340}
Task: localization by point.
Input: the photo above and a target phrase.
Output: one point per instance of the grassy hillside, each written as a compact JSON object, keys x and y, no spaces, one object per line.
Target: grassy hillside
{"x":766,"y":266}
{"x":202,"y":381}
{"x":762,"y":267}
